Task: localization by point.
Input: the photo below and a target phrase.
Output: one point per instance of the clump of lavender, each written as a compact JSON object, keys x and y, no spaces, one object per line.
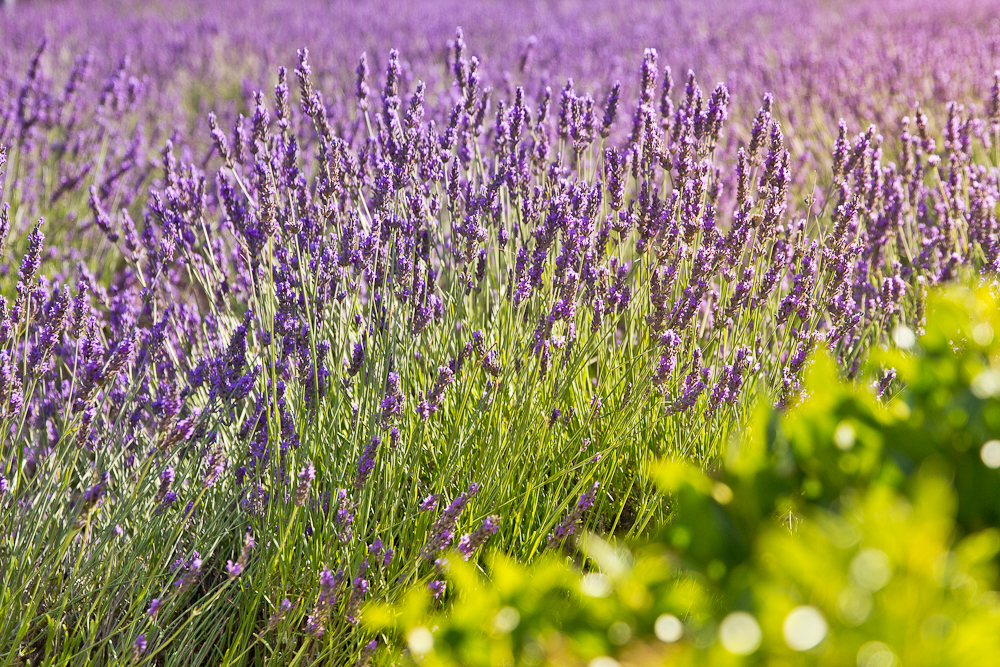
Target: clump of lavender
{"x":883,"y":384}
{"x":429,"y":503}
{"x":359,"y":589}
{"x":491,"y":363}
{"x":357,"y":359}
{"x":288,"y":280}
{"x":215,"y":465}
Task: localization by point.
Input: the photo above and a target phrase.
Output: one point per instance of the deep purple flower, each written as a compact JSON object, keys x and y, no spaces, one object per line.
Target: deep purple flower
{"x":366,"y":462}
{"x":357,"y":359}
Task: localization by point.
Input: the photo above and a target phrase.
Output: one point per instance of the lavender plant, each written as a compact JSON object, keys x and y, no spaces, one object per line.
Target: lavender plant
{"x":279,"y":356}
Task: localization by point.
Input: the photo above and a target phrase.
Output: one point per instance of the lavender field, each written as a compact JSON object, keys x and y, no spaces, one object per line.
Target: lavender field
{"x":450,"y":333}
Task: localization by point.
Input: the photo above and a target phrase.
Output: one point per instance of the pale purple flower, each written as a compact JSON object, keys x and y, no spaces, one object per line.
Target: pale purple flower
{"x":307,"y":475}
{"x":470,"y":542}
{"x":437,"y":588}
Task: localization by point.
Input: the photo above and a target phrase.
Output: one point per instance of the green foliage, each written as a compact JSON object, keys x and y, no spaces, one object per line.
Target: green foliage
{"x":845,"y":531}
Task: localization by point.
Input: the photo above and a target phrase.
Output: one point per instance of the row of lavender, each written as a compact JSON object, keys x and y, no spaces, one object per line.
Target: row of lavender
{"x":334,"y":338}
{"x":166,"y":67}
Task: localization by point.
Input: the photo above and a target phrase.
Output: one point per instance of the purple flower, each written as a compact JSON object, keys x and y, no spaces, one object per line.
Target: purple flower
{"x":469,"y":543}
{"x":357,"y":359}
{"x":329,"y":585}
{"x":436,"y":588}
{"x":491,"y":363}
{"x":392,"y":404}
{"x":366,"y":462}
{"x":315,"y":626}
{"x":611,"y":109}
{"x":884,"y":382}
{"x":214,"y":467}
{"x":306,"y":477}
{"x":572,"y":520}
{"x":236,"y":569}
{"x":328,"y":582}
{"x":432,"y":401}
{"x":359,"y":588}
{"x":154,"y":607}
{"x":283,"y":608}
{"x":429,"y":503}
{"x":192,"y":573}
{"x":442,"y":531}
{"x":29,"y":267}
{"x":166,"y":481}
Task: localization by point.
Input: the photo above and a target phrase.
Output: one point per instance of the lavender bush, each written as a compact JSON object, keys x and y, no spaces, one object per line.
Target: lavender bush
{"x":278,"y":332}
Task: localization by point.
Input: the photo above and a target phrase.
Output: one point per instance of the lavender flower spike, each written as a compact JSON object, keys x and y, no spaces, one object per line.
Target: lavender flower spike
{"x":572,"y":520}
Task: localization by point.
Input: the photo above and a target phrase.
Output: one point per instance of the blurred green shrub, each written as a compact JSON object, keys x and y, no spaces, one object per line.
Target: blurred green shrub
{"x":846,"y":531}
